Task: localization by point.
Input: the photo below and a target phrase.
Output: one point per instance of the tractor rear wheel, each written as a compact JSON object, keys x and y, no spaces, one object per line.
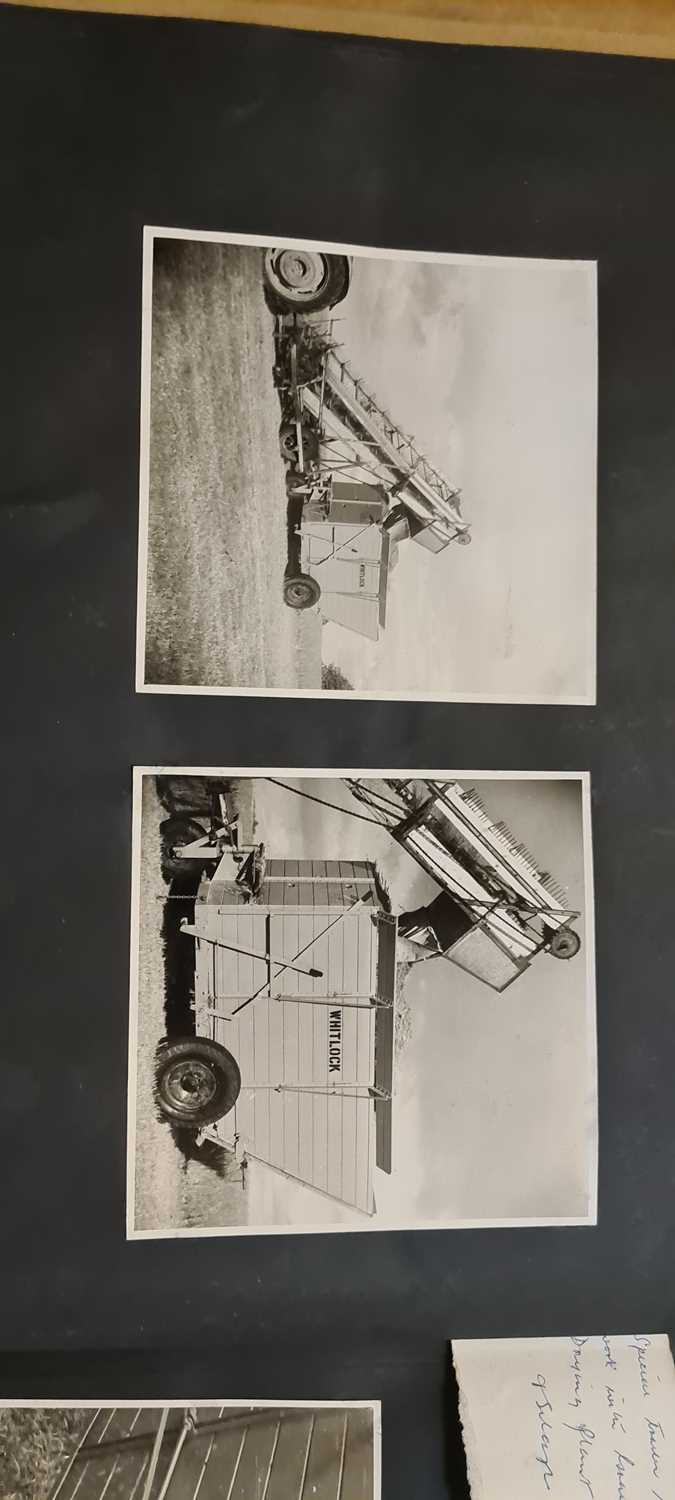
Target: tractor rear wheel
{"x":301,"y":592}
{"x":301,"y":280}
{"x":196,"y":1081}
{"x":175,"y":833}
{"x":288,"y":443}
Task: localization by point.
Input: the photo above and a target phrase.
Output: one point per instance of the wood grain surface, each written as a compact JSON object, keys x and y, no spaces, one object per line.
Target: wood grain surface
{"x":641,"y":27}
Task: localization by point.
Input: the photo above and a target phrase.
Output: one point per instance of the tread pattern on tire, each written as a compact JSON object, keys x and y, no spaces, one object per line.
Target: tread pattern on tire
{"x":206,"y":1050}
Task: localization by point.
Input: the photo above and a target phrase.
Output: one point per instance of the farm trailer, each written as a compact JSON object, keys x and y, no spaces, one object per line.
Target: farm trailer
{"x":496,"y":910}
{"x":295,"y":988}
{"x":222,"y":1453}
{"x":357,"y":484}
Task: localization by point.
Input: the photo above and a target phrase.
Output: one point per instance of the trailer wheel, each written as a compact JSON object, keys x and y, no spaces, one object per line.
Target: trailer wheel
{"x":304,"y":280}
{"x":301,"y":592}
{"x":175,"y":833}
{"x":196,"y":1081}
{"x":565,"y":943}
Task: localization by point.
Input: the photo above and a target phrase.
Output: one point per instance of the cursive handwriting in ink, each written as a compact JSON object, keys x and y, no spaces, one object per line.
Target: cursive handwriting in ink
{"x":575,"y":1367}
{"x":586,"y":1438}
{"x":621,"y":1461}
{"x":639,"y":1345}
{"x":615,"y":1415}
{"x":655,"y":1431}
{"x":544,"y":1406}
{"x":610,"y":1362}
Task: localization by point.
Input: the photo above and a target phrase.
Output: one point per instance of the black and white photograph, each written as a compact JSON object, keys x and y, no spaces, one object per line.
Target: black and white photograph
{"x":360,"y":1001}
{"x":216,"y":1450}
{"x":365,"y":471}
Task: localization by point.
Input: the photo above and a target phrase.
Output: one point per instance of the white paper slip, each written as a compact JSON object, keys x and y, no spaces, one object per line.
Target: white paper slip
{"x":570,"y":1418}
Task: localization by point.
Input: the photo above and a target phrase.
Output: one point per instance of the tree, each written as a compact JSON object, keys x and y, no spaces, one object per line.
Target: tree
{"x":335,"y":680}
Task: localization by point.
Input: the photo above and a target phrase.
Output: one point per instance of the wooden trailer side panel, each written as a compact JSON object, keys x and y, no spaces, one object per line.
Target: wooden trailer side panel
{"x":114,"y":1459}
{"x":307,"y":1060}
{"x":291,"y":1454}
{"x":338,"y":942}
{"x":316,"y":882}
{"x":351,"y":565}
{"x":228,"y":1453}
{"x":106,"y":1465}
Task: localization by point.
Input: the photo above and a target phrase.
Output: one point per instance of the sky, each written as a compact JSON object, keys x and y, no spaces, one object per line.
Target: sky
{"x":492,"y":368}
{"x":492,"y":1112}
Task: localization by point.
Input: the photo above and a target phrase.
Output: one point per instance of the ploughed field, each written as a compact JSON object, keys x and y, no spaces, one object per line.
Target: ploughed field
{"x":217,"y":541}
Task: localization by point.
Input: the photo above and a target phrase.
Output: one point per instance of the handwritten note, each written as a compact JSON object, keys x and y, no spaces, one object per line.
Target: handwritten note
{"x":568,"y":1419}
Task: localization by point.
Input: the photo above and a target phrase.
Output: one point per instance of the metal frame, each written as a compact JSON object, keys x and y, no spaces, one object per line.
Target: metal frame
{"x":397,"y":449}
{"x":389,"y":814}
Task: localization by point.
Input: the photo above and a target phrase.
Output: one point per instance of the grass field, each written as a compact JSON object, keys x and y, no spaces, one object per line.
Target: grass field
{"x":217,"y":501}
{"x":35,"y":1445}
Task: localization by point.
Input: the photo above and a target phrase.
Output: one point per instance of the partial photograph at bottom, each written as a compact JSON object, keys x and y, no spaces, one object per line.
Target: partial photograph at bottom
{"x":212,"y":1450}
{"x":360,"y":1002}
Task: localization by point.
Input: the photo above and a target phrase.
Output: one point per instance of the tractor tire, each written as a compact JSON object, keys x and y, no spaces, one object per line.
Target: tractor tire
{"x":288,"y":444}
{"x":174,"y":834}
{"x":301,"y":591}
{"x":196,"y":1081}
{"x":299,"y":280}
{"x":190,"y":796}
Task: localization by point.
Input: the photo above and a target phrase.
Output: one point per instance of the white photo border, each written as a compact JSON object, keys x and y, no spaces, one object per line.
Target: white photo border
{"x":251,"y":773}
{"x":151,"y":232}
